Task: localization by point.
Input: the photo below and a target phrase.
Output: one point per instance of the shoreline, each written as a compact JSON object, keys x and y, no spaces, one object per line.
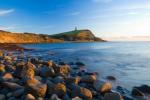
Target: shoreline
{"x":47,"y":79}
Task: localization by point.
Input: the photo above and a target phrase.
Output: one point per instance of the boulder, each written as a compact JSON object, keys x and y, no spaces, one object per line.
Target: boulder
{"x":60,"y":89}
{"x":112,"y":96}
{"x":54,"y":97}
{"x":88,"y":78}
{"x":58,"y":79}
{"x":2,"y":68}
{"x":12,"y":86}
{"x":35,"y":87}
{"x":144,"y":89}
{"x":102,"y":87}
{"x":30,"y":97}
{"x":19,"y":68}
{"x":18,"y":92}
{"x":28,"y":71}
{"x":111,"y":78}
{"x":7,"y":76}
{"x":76,"y":98}
{"x":80,"y":63}
{"x":47,"y":72}
{"x":63,"y":69}
{"x":136,"y":92}
{"x":72,"y":80}
{"x":82,"y":92}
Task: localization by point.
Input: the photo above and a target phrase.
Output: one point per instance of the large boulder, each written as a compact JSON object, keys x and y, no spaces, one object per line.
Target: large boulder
{"x":47,"y":72}
{"x":72,"y":80}
{"x":12,"y":86}
{"x":144,"y":89}
{"x":36,"y":88}
{"x":2,"y":68}
{"x":88,"y":78}
{"x":102,"y":87}
{"x":136,"y":92}
{"x":112,"y":96}
{"x":54,"y":97}
{"x":82,"y":92}
{"x":19,"y":68}
{"x":7,"y":76}
{"x":59,"y":89}
{"x":28,"y":71}
{"x":63,"y":69}
{"x":30,"y":97}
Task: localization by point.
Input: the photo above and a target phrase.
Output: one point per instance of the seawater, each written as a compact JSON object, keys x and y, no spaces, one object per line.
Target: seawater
{"x":129,"y":62}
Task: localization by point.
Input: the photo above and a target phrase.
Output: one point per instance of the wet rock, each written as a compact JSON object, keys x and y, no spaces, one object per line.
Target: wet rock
{"x":18,"y":92}
{"x":50,"y":86}
{"x":136,"y":92}
{"x":19,"y":68}
{"x":112,"y":78}
{"x":1,"y":53}
{"x":50,"y":63}
{"x":28,"y":71}
{"x":88,"y":78}
{"x":58,"y":79}
{"x":76,"y":98}
{"x":72,"y":80}
{"x":29,"y":97}
{"x":35,"y":87}
{"x":2,"y":97}
{"x":11,"y":85}
{"x":102,"y":87}
{"x":60,"y":89}
{"x":66,"y":97}
{"x":2,"y":68}
{"x":82,"y":92}
{"x":47,"y":72}
{"x":63,"y":70}
{"x":144,"y":89}
{"x":7,"y":76}
{"x":54,"y":97}
{"x":80,"y":63}
{"x":7,"y":58}
{"x":112,"y":96}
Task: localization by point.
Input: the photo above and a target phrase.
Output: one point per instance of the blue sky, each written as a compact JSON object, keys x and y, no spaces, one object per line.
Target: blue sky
{"x":106,"y":18}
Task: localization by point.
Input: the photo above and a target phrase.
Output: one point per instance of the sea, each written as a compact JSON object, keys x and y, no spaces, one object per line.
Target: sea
{"x":129,"y":62}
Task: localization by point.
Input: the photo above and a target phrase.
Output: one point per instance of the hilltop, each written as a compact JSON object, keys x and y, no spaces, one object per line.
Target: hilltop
{"x":77,"y":35}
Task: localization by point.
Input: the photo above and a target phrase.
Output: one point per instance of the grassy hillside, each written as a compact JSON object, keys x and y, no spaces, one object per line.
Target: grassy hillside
{"x":8,"y":37}
{"x":77,"y":35}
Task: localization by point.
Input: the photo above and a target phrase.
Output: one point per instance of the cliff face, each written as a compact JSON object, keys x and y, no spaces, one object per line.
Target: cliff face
{"x":77,"y":35}
{"x":8,"y":37}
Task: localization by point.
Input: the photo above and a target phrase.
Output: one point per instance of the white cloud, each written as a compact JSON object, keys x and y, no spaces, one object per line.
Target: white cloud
{"x":6,"y":11}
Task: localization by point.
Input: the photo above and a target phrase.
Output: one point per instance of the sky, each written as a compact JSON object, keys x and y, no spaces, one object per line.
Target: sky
{"x":110,"y":19}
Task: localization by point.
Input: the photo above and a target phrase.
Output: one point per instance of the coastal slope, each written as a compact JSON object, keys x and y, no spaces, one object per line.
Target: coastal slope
{"x":9,"y":37}
{"x":78,"y":35}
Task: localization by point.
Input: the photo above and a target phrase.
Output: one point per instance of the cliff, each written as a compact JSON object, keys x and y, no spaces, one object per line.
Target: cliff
{"x":8,"y":37}
{"x":77,"y":35}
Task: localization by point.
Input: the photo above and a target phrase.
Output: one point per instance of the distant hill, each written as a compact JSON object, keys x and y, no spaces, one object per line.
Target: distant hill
{"x":9,"y":37}
{"x":77,"y":35}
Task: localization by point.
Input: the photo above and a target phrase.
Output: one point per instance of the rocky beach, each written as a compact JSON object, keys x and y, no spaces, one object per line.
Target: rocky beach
{"x":24,"y":77}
